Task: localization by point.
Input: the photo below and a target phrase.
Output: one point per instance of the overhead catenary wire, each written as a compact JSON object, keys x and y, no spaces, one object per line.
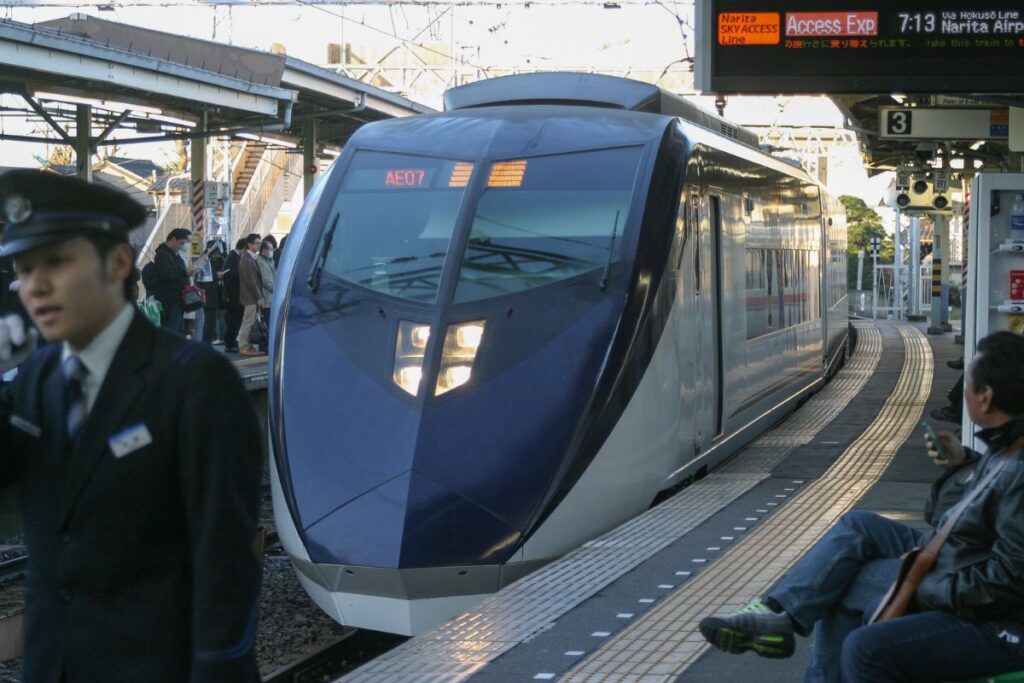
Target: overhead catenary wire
{"x":320,"y":7}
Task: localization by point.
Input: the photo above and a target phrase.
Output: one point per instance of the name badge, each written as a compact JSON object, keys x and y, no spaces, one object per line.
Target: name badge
{"x":25,"y":426}
{"x":130,"y":440}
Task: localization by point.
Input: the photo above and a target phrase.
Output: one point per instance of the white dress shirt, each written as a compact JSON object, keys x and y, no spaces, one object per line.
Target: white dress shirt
{"x":99,"y":354}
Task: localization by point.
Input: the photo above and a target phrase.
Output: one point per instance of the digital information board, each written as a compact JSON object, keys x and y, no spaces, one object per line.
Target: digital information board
{"x":857,"y":46}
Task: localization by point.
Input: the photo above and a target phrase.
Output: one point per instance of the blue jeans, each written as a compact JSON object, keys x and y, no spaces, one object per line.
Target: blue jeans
{"x":813,"y":589}
{"x":860,"y":599}
{"x":844,"y":577}
{"x":930,"y":646}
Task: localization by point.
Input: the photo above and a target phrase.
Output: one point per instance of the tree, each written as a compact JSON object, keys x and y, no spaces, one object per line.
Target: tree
{"x":863,"y":223}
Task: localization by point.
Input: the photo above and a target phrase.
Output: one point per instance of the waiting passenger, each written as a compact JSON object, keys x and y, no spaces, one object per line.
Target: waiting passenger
{"x":268,"y":274}
{"x":969,"y":615}
{"x":172,"y":277}
{"x":954,"y":411}
{"x":235,"y":310}
{"x":250,"y":293}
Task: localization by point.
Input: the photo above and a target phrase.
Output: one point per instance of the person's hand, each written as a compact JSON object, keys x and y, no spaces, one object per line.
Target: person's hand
{"x":951,"y":445}
{"x":16,"y":341}
{"x":188,"y":271}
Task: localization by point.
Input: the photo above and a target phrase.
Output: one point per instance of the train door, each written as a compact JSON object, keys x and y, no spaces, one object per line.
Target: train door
{"x":705,"y":217}
{"x":714,"y":262}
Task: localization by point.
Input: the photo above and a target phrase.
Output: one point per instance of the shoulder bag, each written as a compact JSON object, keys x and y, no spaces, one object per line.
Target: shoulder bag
{"x":919,"y":561}
{"x":192,"y":298}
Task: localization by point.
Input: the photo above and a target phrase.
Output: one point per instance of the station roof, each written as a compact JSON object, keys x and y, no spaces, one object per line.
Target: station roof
{"x":146,"y":70}
{"x":863,"y":114}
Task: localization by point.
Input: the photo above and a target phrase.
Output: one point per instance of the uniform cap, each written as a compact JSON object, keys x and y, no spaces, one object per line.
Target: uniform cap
{"x":38,"y":208}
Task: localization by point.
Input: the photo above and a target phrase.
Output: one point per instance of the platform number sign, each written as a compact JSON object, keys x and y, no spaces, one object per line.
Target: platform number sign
{"x":898,"y":122}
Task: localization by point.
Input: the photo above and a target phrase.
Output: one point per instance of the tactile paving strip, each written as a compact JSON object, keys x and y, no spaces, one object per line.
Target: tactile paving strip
{"x":801,"y":428}
{"x":459,"y":648}
{"x":662,"y":643}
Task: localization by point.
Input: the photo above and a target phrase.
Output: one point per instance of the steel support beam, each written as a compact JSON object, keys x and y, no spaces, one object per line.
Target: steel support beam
{"x":309,"y":148}
{"x":83,"y":142}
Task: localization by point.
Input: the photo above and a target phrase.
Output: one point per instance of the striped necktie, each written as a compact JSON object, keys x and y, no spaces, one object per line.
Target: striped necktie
{"x":75,"y":374}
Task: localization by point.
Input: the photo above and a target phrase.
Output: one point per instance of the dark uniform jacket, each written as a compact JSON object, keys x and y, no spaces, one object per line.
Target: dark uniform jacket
{"x":6,"y":278}
{"x":142,"y":566}
{"x":979,"y":572}
{"x":231,"y":283}
{"x":171,"y":276}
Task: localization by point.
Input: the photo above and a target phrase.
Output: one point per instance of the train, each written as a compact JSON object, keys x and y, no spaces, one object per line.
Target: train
{"x":500,"y":330}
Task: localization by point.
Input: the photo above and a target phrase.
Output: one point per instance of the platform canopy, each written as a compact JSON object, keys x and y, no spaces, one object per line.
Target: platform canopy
{"x":165,"y":86}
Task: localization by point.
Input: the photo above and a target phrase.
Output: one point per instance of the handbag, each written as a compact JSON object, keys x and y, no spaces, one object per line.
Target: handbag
{"x":192,"y":297}
{"x":152,"y":309}
{"x":919,"y":561}
{"x":258,"y":334}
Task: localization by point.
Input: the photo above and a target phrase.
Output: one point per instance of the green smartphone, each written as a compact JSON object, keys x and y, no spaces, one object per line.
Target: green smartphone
{"x":936,"y":444}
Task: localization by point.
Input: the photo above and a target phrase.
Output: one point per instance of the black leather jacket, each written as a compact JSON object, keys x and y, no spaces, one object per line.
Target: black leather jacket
{"x":979,"y":572}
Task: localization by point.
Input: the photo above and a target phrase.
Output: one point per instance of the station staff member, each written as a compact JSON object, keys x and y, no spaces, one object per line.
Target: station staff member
{"x":137,"y":456}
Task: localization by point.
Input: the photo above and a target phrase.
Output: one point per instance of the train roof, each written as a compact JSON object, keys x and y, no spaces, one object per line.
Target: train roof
{"x":511,"y":131}
{"x":589,"y":90}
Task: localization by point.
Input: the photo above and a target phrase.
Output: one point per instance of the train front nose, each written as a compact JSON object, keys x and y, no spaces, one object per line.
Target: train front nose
{"x":380,"y":478}
{"x":397,"y":448}
{"x":411,"y":522}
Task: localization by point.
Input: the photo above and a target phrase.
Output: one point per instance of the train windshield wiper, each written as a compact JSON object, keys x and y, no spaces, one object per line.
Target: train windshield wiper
{"x":514,"y":257}
{"x":611,"y":250}
{"x":313,"y":281}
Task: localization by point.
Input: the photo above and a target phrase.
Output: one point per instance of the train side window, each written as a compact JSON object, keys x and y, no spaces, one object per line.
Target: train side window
{"x":758,"y":294}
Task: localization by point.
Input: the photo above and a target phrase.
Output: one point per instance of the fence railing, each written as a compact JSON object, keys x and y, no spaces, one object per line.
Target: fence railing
{"x":884,"y":301}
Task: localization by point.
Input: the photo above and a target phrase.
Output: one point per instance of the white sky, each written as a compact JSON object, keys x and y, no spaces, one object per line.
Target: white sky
{"x":548,"y":37}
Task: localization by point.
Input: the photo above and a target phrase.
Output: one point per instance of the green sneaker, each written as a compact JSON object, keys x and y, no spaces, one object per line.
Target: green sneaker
{"x":755,"y":627}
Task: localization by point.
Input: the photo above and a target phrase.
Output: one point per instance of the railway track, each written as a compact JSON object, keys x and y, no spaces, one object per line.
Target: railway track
{"x":350,"y":651}
{"x":13,"y":567}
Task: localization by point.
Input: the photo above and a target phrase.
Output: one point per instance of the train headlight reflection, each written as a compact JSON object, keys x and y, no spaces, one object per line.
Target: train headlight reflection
{"x":461,"y":342}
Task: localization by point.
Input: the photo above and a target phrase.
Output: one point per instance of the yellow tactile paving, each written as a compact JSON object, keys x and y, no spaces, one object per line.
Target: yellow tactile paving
{"x":665,"y":641}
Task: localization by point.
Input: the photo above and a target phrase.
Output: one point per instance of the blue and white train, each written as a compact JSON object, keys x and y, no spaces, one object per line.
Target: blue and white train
{"x":502,"y":329}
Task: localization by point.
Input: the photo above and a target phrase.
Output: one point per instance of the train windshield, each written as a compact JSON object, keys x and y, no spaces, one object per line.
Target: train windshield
{"x":396,"y":214}
{"x":544,"y":219}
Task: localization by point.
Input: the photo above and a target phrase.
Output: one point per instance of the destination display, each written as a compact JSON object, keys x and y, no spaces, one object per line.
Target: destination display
{"x":906,"y":46}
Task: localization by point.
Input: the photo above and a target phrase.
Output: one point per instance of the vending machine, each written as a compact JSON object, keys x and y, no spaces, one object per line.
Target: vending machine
{"x":994,"y":299}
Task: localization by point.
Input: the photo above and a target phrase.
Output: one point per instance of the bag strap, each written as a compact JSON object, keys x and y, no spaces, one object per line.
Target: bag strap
{"x":931,"y":551}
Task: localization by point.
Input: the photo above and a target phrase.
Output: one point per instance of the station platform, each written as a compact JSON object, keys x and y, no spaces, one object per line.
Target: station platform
{"x":253,"y":370}
{"x":625,"y":606}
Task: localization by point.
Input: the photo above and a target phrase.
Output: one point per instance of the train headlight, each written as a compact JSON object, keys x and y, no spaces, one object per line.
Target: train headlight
{"x":409,"y":377}
{"x":468,"y":336}
{"x":419,"y":336}
{"x":410,"y":349}
{"x":453,"y":376}
{"x":461,"y":342}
